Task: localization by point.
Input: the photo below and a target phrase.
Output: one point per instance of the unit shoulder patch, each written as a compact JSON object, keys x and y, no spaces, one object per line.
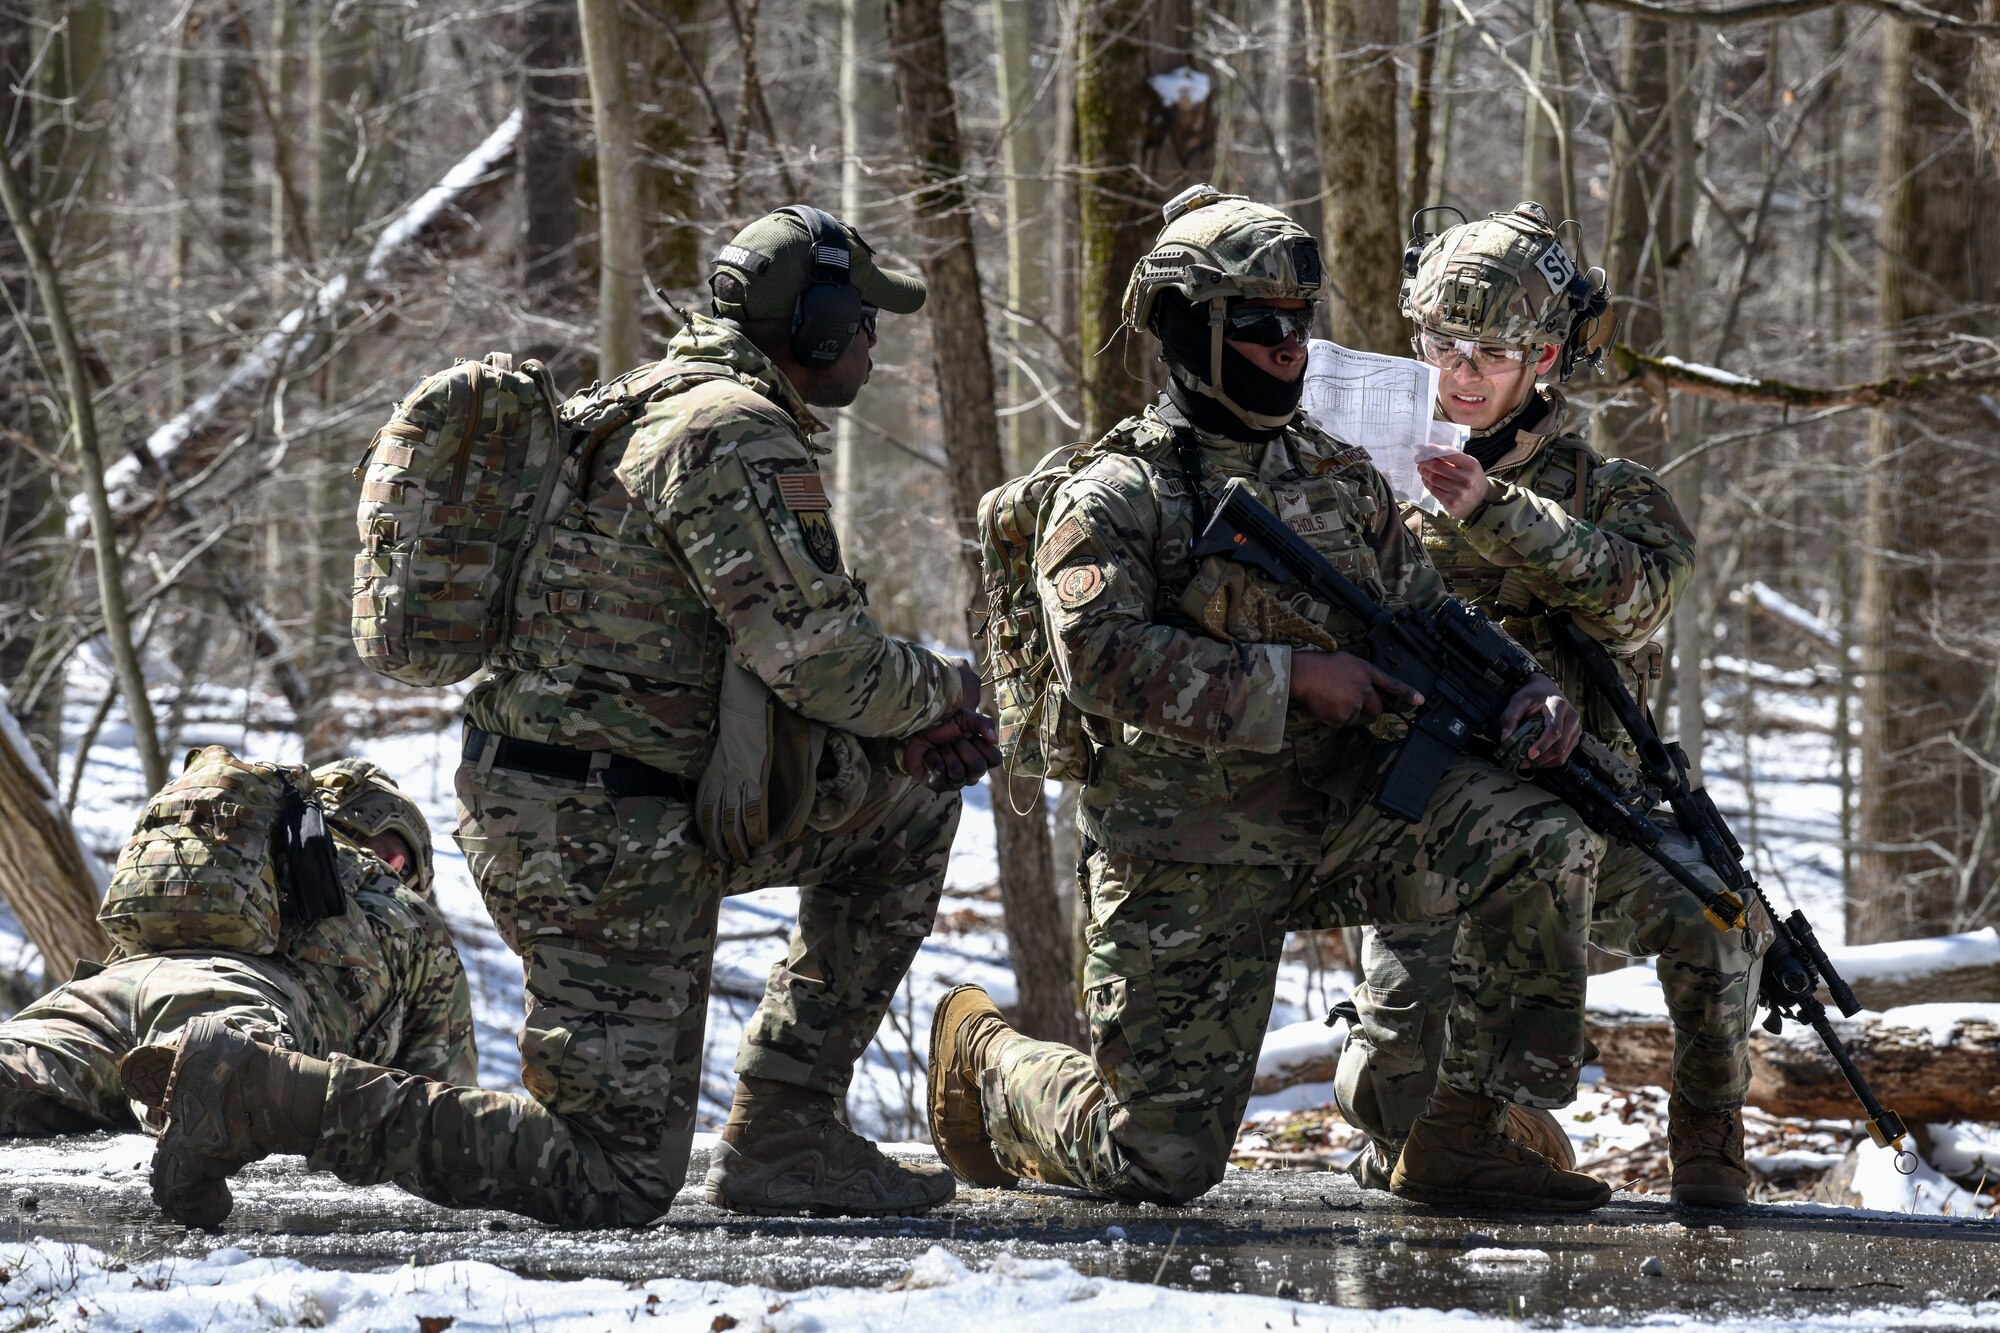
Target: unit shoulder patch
{"x":1079,"y":584}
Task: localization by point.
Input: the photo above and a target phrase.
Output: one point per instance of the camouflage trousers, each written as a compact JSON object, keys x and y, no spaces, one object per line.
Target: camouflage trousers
{"x":1183,"y":959}
{"x":59,"y":1055}
{"x":612,"y":905}
{"x":1710,"y":978}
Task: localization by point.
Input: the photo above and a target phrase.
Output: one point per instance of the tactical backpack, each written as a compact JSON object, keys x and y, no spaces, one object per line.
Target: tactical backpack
{"x":222,"y":858}
{"x":456,"y":486}
{"x":1041,"y":731}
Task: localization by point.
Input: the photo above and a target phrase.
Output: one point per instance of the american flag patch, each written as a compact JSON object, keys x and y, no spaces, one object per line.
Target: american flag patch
{"x":802,"y":492}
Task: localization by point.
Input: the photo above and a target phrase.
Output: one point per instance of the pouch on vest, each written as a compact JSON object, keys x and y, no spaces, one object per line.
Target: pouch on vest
{"x":223,"y":857}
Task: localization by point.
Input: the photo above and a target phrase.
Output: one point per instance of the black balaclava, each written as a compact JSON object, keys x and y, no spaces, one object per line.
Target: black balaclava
{"x":1187,"y":338}
{"x":1495,"y":444}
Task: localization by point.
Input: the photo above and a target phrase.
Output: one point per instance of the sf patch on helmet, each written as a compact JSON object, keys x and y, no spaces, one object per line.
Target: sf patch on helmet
{"x":805,"y":495}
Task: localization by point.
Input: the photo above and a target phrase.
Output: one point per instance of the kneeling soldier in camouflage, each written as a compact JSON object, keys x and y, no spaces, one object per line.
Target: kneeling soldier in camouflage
{"x":675,"y":720}
{"x":1536,"y":522}
{"x":380,"y":981}
{"x":1234,"y":766}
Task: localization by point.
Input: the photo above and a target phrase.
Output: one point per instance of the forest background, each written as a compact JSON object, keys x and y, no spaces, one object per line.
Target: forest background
{"x":241,"y":229}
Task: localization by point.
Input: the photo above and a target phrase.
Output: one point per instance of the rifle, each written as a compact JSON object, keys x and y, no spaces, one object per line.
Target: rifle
{"x":1795,"y":964}
{"x":1467,"y":671}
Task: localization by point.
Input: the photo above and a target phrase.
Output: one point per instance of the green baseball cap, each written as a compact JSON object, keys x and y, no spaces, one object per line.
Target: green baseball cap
{"x":772,"y":257}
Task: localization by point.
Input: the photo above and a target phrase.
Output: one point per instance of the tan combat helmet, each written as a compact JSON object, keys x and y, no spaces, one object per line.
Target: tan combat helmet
{"x":1507,"y":279}
{"x":364,"y":802}
{"x":1217,"y":248}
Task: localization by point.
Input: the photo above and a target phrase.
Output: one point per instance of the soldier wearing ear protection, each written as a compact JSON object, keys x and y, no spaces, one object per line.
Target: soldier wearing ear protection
{"x":1535,"y":523}
{"x":700,"y":705}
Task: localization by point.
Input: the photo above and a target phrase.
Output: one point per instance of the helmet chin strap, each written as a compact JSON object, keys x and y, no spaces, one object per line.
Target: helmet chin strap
{"x":1217,"y":308}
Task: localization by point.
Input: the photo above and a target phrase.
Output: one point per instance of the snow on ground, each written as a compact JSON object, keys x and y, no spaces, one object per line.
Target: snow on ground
{"x":71,"y":1287}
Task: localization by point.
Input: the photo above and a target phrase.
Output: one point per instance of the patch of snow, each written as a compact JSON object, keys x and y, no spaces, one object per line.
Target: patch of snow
{"x":1296,"y":1044}
{"x":1711,"y":373}
{"x":1498,"y":1259}
{"x":1181,"y":86}
{"x":1942,"y":1022}
{"x":1879,"y":1186}
{"x":1898,"y":959}
{"x":1783,"y":607}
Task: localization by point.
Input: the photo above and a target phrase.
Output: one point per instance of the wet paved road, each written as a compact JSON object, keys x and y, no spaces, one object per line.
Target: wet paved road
{"x":1309,"y":1236}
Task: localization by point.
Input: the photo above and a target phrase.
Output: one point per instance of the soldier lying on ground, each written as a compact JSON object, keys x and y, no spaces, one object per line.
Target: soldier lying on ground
{"x":1534,"y":520}
{"x":380,"y":981}
{"x":1231,"y":797}
{"x":698,"y":575}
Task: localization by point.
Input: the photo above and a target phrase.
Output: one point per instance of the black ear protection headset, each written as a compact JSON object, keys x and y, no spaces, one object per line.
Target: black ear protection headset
{"x":827,"y":314}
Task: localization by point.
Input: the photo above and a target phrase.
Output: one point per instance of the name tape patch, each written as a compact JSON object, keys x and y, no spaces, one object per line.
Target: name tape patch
{"x":748,"y":260}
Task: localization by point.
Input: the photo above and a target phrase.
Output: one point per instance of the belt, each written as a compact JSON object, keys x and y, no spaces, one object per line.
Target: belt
{"x":621,"y":776}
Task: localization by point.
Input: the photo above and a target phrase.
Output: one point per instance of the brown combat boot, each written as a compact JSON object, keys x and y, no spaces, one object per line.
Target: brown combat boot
{"x":966,"y":1031}
{"x":1706,"y":1148}
{"x":229,"y":1101}
{"x":786,"y":1151}
{"x":1530,"y":1126}
{"x":1535,"y":1128}
{"x":1459,"y":1155}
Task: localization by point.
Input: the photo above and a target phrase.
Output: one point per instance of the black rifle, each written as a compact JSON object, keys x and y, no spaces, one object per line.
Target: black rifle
{"x":1466,"y":670}
{"x":1795,"y":964}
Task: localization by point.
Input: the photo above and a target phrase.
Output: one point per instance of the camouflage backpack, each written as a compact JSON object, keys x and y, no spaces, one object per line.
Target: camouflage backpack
{"x":222,"y":858}
{"x":456,"y":485}
{"x":1041,"y":731}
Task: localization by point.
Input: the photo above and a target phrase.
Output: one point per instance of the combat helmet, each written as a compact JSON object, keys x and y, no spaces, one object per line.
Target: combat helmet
{"x":364,"y":802}
{"x":1507,"y":279}
{"x":1217,"y":248}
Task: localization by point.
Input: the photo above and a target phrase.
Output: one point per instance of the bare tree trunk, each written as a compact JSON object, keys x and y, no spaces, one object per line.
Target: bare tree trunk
{"x":869,"y":132}
{"x":83,"y":431}
{"x":1926,"y":540}
{"x":620,"y":244}
{"x":1638,"y":176}
{"x":45,"y":876}
{"x":1682,"y":293}
{"x":1294,"y":120}
{"x":183,"y":94}
{"x":1036,"y":942}
{"x":1021,"y":156}
{"x":667,"y":120}
{"x":1117,"y":207}
{"x":1543,"y":159}
{"x":1417,"y":189}
{"x":1356,"y":76}
{"x":551,"y":152}
{"x":235,"y":118}
{"x":33,"y":547}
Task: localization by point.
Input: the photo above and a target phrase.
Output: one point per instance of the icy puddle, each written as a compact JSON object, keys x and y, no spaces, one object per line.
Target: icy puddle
{"x":1311,"y":1241}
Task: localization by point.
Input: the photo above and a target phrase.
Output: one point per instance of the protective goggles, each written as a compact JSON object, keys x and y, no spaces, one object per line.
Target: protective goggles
{"x":1442,"y":350}
{"x":1265,"y":327}
{"x":869,"y":315}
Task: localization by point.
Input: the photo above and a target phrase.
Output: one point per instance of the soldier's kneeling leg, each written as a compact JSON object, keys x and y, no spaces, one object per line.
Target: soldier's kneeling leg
{"x":1389,"y":1060}
{"x":1516,"y":866}
{"x":1178,"y":983}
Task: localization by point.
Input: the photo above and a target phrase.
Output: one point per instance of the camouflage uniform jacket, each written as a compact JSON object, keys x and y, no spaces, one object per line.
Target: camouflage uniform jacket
{"x":1200,"y":757}
{"x":703,"y":531}
{"x":1565,"y":529}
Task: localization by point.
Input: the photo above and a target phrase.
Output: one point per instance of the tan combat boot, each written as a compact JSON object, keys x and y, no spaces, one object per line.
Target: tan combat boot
{"x":966,"y":1031}
{"x":1535,"y":1128}
{"x":1706,"y":1148}
{"x":1459,"y":1155}
{"x":1530,"y":1126}
{"x":786,"y":1150}
{"x":229,"y":1100}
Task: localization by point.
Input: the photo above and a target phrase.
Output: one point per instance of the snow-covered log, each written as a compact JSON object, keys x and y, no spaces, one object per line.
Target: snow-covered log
{"x":1298,"y":1053}
{"x":50,"y":882}
{"x":287,"y":341}
{"x":1928,"y":1038}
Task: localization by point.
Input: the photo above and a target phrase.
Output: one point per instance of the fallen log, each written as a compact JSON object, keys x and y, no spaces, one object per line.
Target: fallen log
{"x":1930,"y":1062}
{"x":52,"y":884}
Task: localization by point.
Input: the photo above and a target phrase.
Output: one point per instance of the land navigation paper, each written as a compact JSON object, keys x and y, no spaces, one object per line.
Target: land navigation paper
{"x":1383,"y":404}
